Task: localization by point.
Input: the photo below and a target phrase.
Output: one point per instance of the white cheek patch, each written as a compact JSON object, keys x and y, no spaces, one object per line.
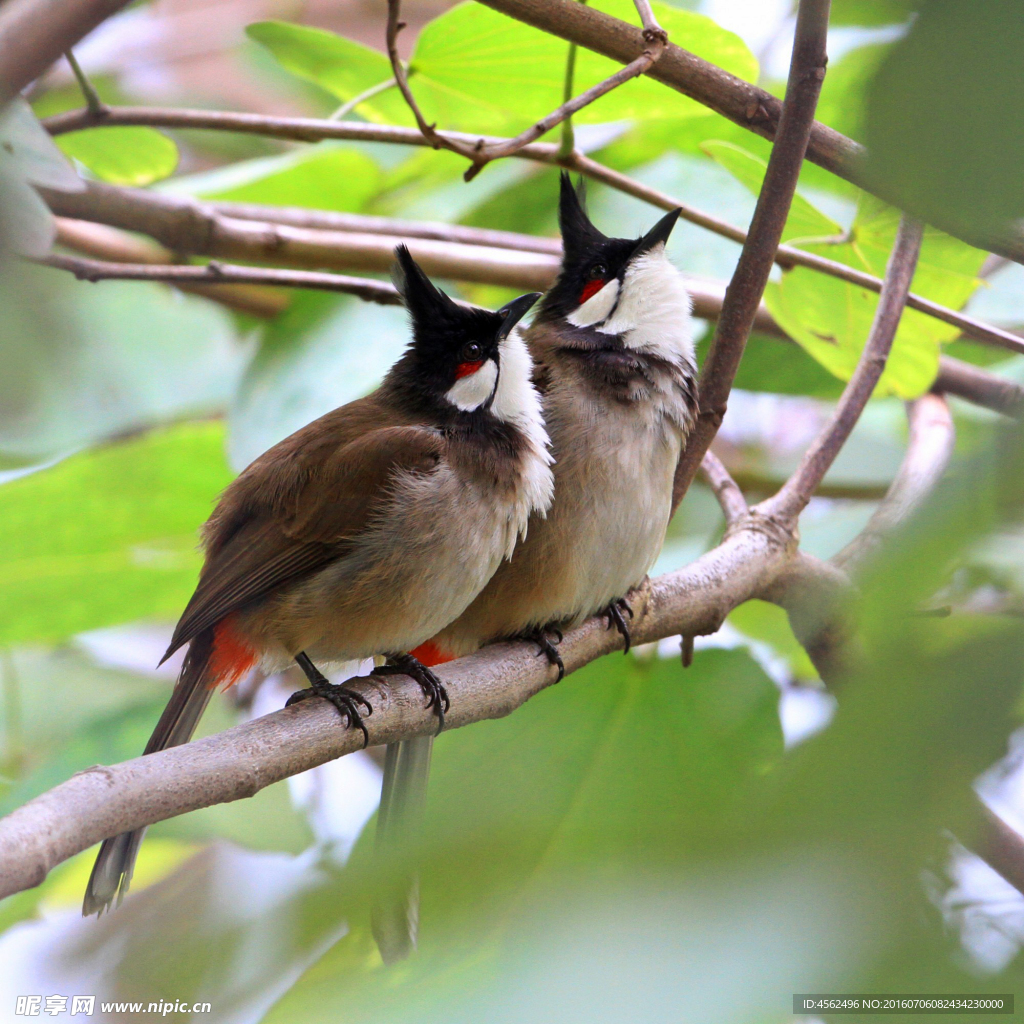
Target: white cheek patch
{"x":597,"y":307}
{"x":470,"y":392}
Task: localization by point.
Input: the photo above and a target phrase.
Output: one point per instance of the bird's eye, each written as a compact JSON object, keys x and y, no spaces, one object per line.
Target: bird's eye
{"x":598,"y":272}
{"x":471,"y":352}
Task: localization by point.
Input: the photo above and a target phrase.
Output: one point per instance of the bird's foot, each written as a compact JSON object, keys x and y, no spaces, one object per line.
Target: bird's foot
{"x":407,"y":665}
{"x":539,"y":636}
{"x":346,"y":701}
{"x":617,"y":619}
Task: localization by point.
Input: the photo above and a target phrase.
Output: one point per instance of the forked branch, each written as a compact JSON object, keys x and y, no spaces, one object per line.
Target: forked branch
{"x":482,"y":151}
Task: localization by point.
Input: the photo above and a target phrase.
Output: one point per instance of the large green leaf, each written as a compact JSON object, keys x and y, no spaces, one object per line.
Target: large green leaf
{"x":341,"y":66}
{"x":109,"y":535}
{"x":804,"y":221}
{"x":123,"y":156}
{"x":831,"y":318}
{"x":329,"y":176}
{"x":477,"y":70}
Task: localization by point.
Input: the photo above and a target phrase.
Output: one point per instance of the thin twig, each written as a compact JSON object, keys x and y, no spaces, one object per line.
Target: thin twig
{"x":743,"y":296}
{"x":728,"y":493}
{"x":311,"y":130}
{"x":105,"y":243}
{"x":482,"y":152}
{"x":214,"y":272}
{"x":93,"y":103}
{"x":797,"y":491}
{"x":929,"y":449}
{"x":367,"y":94}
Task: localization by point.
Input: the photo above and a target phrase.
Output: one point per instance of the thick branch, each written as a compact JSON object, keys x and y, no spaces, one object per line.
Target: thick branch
{"x":929,"y":449}
{"x":745,"y":104}
{"x":309,"y":130}
{"x":237,"y":763}
{"x":797,"y":492}
{"x":743,"y":296}
{"x":35,"y":33}
{"x":978,"y":386}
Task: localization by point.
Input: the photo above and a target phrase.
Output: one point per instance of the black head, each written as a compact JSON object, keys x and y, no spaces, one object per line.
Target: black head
{"x":456,"y":350}
{"x":591,"y":259}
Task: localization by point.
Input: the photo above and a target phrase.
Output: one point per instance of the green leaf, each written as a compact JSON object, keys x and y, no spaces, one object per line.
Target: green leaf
{"x":831,"y":318}
{"x":122,"y":156}
{"x":107,"y":536}
{"x":328,"y":176}
{"x":872,"y":12}
{"x":804,"y":221}
{"x":769,"y":624}
{"x":843,"y":101}
{"x":340,"y":66}
{"x":462,"y":55}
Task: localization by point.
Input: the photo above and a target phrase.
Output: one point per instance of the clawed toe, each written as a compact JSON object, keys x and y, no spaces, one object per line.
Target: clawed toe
{"x":346,"y":701}
{"x":539,"y":636}
{"x":407,"y":665}
{"x":617,"y":619}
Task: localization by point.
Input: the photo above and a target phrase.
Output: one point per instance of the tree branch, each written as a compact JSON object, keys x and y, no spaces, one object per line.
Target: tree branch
{"x":482,"y":152}
{"x":239,"y":762}
{"x":743,"y":296}
{"x":380,"y":292}
{"x":745,"y":104}
{"x":929,"y":449}
{"x":310,"y":130}
{"x":727,"y":491}
{"x":797,"y":491}
{"x":978,"y":386}
{"x":35,"y":33}
{"x":106,"y":243}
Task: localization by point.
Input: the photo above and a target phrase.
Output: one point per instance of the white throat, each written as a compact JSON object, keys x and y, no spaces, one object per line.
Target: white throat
{"x":650,"y":310}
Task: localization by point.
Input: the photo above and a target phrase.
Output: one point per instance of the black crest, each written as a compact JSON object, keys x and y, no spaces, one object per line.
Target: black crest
{"x":445,"y":333}
{"x":578,"y":232}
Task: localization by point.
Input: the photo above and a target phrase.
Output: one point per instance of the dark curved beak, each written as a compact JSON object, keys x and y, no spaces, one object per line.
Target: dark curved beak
{"x":659,"y":233}
{"x":514,"y":312}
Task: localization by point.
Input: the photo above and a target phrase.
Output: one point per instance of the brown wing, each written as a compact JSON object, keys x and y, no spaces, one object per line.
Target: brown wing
{"x":294,"y":511}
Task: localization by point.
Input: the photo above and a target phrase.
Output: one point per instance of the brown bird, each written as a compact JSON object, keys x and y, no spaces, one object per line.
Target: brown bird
{"x":366,"y":531}
{"x":614,"y":360}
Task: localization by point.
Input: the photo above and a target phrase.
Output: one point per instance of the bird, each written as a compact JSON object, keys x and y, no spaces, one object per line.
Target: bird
{"x":613,"y":352}
{"x":366,"y":531}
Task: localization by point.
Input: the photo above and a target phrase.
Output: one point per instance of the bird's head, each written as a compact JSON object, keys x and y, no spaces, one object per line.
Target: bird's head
{"x":470,"y":358}
{"x":618,"y":286}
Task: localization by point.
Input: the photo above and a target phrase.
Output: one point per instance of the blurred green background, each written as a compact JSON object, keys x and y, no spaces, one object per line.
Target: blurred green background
{"x":643,"y":842}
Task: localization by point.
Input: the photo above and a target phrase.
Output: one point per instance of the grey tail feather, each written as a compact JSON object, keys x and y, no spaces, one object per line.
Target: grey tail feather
{"x":396,"y":905}
{"x":115,"y":863}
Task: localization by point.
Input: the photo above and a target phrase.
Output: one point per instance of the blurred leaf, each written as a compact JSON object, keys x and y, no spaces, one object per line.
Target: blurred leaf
{"x":123,"y":156}
{"x":109,"y":535}
{"x":328,"y":176}
{"x":944,"y":112}
{"x":324,"y":351}
{"x":872,"y":12}
{"x":341,"y":66}
{"x":769,"y":624}
{"x":75,"y":369}
{"x":843,"y":101}
{"x":804,"y":221}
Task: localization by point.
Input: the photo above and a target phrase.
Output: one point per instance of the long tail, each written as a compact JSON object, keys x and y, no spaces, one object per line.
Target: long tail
{"x":396,"y":907}
{"x":214,"y":656}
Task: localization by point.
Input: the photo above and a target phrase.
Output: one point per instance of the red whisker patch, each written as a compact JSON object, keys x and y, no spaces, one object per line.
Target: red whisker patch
{"x":467,"y":369}
{"x":590,"y":289}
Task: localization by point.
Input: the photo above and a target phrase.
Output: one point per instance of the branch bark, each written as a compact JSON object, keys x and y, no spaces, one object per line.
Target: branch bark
{"x":797,"y":491}
{"x":745,"y":104}
{"x":237,"y":763}
{"x":35,"y":33}
{"x":929,"y":449}
{"x":726,"y":490}
{"x":743,"y":296}
{"x":483,"y":152}
{"x":309,"y":130}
